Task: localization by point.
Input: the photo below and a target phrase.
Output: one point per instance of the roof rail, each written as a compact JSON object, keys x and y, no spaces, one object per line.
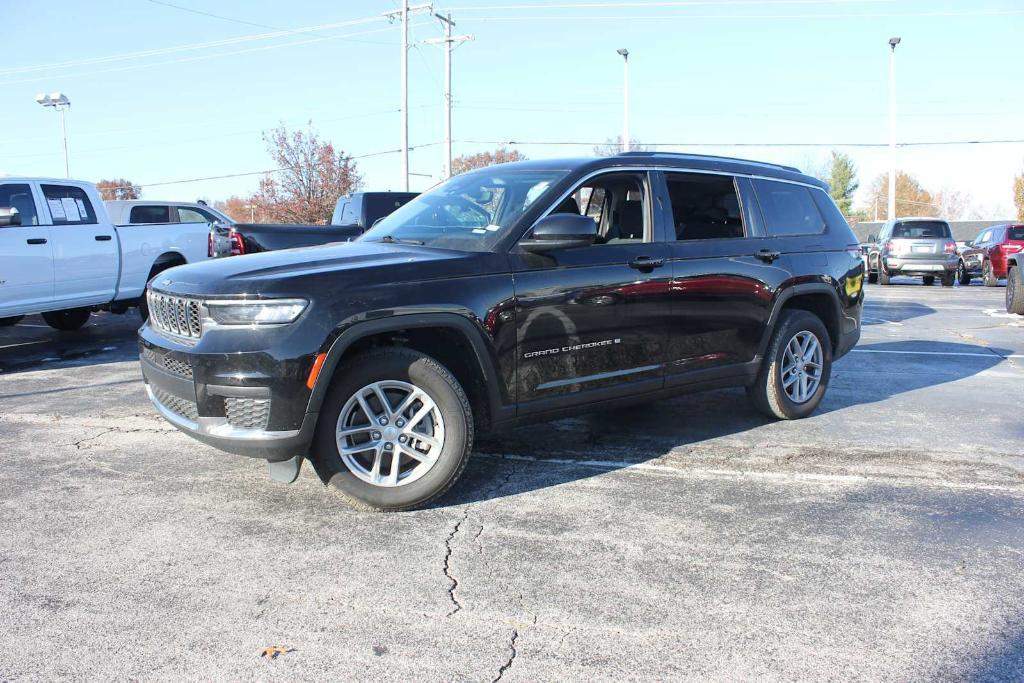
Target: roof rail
{"x":710,"y":157}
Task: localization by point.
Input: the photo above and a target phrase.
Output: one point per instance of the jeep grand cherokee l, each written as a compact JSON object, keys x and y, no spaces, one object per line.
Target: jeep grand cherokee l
{"x":514,"y":293}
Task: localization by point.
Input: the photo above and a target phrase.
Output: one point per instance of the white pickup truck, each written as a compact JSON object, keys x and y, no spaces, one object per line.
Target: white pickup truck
{"x":61,"y":256}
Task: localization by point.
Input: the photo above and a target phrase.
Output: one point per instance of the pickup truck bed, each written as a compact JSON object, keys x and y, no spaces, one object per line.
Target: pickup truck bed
{"x":250,"y":238}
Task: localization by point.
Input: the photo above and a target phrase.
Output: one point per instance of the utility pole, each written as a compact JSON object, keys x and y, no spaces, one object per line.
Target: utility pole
{"x":404,"y":13}
{"x":61,"y":103}
{"x":450,"y":42}
{"x":625,"y":98}
{"x":893,"y":42}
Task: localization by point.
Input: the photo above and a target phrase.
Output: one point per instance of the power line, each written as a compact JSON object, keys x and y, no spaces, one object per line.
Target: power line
{"x":747,"y":17}
{"x":661,"y":3}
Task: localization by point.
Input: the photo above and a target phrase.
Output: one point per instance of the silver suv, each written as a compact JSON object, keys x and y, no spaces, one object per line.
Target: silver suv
{"x":918,"y":247}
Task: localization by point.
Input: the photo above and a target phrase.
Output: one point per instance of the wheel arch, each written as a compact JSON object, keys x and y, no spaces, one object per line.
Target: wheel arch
{"x":166,"y":260}
{"x":815,"y":297}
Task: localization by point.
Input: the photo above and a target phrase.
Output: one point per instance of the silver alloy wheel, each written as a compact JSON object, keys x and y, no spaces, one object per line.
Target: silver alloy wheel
{"x":390,"y":433}
{"x":801,"y":367}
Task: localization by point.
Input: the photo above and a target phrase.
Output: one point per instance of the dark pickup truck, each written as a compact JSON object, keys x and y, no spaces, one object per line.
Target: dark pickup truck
{"x":353,"y":215}
{"x":515,"y":293}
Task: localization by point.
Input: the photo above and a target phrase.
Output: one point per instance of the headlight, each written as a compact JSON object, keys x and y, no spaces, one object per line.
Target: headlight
{"x":256,"y":311}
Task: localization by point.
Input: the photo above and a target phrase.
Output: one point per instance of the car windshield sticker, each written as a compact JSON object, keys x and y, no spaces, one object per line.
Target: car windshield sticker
{"x":71,"y":209}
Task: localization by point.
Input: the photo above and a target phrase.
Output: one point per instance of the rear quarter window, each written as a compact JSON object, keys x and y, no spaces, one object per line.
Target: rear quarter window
{"x":788,"y":209}
{"x":150,"y":214}
{"x":68,"y":205}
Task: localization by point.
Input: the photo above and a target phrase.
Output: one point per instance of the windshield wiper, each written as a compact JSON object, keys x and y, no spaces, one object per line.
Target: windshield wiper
{"x":392,"y":240}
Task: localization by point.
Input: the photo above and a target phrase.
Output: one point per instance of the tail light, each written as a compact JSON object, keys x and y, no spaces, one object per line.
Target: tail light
{"x":237,"y":245}
{"x":1010,"y":248}
{"x":949,"y":247}
{"x":209,"y":244}
{"x":894,"y":247}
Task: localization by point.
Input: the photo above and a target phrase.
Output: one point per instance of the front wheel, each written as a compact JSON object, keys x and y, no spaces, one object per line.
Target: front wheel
{"x":962,"y":276}
{"x":883,"y":275}
{"x":1015,"y":291}
{"x":796,"y":368}
{"x":68,"y":320}
{"x":988,"y":276}
{"x":395,"y":430}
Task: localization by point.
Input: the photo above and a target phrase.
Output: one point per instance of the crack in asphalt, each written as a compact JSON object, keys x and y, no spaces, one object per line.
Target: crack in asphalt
{"x":511,"y":656}
{"x":453,"y":583}
{"x":118,"y":430}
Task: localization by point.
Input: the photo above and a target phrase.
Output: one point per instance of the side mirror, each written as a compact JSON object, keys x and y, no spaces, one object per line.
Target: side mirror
{"x":969,"y":243}
{"x":560,"y":231}
{"x":9,"y":216}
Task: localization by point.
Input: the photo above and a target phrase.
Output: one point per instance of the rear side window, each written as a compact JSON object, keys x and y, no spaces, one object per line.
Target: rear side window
{"x":150,"y":214}
{"x":921,"y":230}
{"x":704,"y":207}
{"x":788,"y":209}
{"x":1016,"y":233}
{"x":350,"y":215}
{"x":192,"y":216}
{"x":68,"y":205}
{"x":19,"y":196}
{"x":834,"y":218}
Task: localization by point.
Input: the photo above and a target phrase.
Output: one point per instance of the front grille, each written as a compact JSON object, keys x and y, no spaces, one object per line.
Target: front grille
{"x":175,"y":315}
{"x":180,"y":406}
{"x":181,"y":368}
{"x":247,"y":413}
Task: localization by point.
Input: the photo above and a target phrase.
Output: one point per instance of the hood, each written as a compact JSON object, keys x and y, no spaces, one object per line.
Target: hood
{"x":292,"y":272}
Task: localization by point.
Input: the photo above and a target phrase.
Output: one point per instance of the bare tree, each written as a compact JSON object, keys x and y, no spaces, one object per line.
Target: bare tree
{"x":469,"y":162}
{"x":956,"y":205}
{"x":613,"y":146}
{"x":312,"y":178}
{"x":118,"y":188}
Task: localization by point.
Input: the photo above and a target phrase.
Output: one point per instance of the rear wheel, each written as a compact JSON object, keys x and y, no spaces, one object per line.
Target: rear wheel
{"x":1015,"y":291}
{"x":988,"y":276}
{"x":883,"y":276}
{"x":928,"y":280}
{"x":948,"y":279}
{"x":13,"y":320}
{"x":872,"y":278}
{"x":796,"y":369}
{"x":395,"y":430}
{"x":69,"y":320}
{"x":962,"y":276}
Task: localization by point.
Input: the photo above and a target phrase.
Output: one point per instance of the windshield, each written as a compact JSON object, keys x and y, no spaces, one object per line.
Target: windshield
{"x":921,"y":229}
{"x":469,"y":212}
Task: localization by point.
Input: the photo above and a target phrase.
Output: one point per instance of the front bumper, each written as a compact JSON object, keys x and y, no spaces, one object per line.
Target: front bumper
{"x":244,"y":403}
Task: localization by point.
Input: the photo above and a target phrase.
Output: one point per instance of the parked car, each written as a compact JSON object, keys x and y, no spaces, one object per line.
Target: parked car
{"x":64,"y":258}
{"x":918,"y":247}
{"x":353,"y":214}
{"x":510,"y":294}
{"x":1015,"y":283}
{"x":987,"y":254}
{"x":138,"y":211}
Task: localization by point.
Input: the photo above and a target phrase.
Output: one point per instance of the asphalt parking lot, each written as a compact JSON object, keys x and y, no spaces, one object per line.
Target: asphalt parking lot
{"x":881,"y":538}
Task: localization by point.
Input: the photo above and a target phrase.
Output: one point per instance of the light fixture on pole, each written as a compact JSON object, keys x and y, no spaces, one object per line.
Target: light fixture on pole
{"x":450,"y":42}
{"x":60,"y":102}
{"x":893,"y":42}
{"x":625,"y":98}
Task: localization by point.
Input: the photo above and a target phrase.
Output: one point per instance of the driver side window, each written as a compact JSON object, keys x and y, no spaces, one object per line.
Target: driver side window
{"x":617,"y":202}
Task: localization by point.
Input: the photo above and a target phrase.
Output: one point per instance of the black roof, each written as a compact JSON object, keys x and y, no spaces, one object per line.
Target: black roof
{"x":699,"y":162}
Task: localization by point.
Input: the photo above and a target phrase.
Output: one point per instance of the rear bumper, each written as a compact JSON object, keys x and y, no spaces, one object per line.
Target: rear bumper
{"x":910,"y":266}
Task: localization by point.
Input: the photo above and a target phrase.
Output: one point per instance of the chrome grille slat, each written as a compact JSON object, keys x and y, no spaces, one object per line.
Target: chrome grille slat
{"x":175,"y":315}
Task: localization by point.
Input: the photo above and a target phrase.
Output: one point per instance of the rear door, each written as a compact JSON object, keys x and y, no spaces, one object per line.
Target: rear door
{"x":85,"y":251}
{"x":26,"y":254}
{"x":724,"y":272}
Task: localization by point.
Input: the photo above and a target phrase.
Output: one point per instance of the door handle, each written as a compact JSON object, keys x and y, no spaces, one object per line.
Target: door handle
{"x":646,"y":263}
{"x":767,"y":255}
{"x":36,"y":240}
{"x":102,"y":238}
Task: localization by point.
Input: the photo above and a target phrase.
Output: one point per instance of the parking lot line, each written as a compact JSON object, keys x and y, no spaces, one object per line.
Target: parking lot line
{"x":940,"y":353}
{"x":11,"y":346}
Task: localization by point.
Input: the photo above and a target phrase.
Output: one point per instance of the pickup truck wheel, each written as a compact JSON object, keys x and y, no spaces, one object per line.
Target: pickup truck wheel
{"x":395,"y":430}
{"x":988,"y":276}
{"x":928,"y":280}
{"x":1015,"y":291}
{"x":68,"y":320}
{"x":962,"y":276}
{"x":13,"y":320}
{"x":796,"y":368}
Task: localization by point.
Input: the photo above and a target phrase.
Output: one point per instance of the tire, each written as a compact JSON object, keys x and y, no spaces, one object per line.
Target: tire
{"x":883,"y":276}
{"x":397,"y":369}
{"x":1015,"y":291}
{"x":10,"y":322}
{"x":988,"y":276}
{"x":872,"y":278}
{"x":948,"y":279}
{"x":928,"y":280}
{"x":768,"y":393}
{"x":68,"y":320}
{"x":962,"y":276}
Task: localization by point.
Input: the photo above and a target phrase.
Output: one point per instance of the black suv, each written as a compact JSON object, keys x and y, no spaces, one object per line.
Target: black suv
{"x":518,"y":292}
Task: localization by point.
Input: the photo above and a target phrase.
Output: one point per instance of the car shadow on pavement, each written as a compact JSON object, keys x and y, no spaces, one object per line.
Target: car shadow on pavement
{"x":1005,"y":662}
{"x":33,"y":345}
{"x":889,"y":313}
{"x":595,"y":443}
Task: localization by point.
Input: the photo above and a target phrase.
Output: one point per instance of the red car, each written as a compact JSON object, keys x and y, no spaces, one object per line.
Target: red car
{"x":988,"y":253}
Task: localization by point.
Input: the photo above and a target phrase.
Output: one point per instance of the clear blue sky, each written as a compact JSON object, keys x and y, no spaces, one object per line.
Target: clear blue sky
{"x":728,"y":71}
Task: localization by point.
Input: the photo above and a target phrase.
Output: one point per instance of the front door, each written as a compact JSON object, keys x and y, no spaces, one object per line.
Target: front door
{"x":591,"y":320}
{"x":26,"y":256}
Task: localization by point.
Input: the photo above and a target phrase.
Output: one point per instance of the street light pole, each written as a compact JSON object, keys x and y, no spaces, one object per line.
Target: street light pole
{"x":60,"y":102}
{"x":625,"y":98}
{"x":449,"y":45}
{"x":893,"y":42}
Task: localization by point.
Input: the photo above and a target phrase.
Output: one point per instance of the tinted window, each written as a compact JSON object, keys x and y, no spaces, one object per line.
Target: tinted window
{"x":68,"y":205}
{"x":921,"y":230}
{"x":379,"y":205}
{"x":150,"y":214}
{"x":834,"y":218}
{"x":350,"y":214}
{"x":981,"y":236}
{"x":1016,"y":233}
{"x":192,"y":216}
{"x":704,"y":207}
{"x":788,"y":209}
{"x":18,"y":196}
